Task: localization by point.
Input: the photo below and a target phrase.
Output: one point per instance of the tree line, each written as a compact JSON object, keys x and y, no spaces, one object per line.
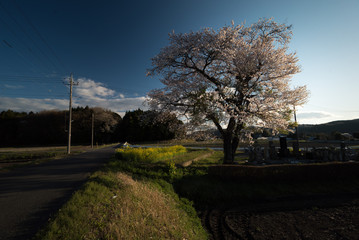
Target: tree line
{"x":51,"y":127}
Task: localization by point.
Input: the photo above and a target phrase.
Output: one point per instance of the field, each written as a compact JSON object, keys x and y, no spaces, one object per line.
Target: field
{"x":14,"y":157}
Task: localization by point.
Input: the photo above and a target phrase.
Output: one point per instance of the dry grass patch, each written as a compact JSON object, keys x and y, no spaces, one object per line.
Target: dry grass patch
{"x":148,"y":212}
{"x":115,"y":206}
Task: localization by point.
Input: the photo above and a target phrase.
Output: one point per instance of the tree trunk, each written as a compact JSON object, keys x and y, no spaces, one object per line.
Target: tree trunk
{"x":230,"y":137}
{"x":230,"y":145}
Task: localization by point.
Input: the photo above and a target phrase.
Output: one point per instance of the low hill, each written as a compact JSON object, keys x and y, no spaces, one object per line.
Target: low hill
{"x":343,"y":126}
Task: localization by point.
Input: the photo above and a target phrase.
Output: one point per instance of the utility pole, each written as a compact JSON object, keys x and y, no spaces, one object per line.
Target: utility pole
{"x":296,"y":146}
{"x":296,"y":126}
{"x":70,"y":116}
{"x":92,"y":129}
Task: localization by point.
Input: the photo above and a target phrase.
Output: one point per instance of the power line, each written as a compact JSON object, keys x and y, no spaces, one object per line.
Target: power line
{"x":39,"y":35}
{"x":37,"y":96}
{"x":12,"y":46}
{"x":29,"y":64}
{"x":32,"y":80}
{"x":27,"y":35}
{"x":18,"y":86}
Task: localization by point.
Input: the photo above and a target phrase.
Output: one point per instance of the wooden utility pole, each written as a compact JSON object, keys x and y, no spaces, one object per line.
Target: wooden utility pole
{"x":296,"y":145}
{"x":296,"y":126}
{"x":92,"y":128}
{"x":70,"y":116}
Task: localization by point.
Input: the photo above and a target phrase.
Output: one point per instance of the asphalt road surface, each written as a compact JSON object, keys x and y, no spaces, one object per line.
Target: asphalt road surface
{"x":29,"y":196}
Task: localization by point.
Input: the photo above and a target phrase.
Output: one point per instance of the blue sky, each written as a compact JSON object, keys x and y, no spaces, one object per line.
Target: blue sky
{"x":108,"y":46}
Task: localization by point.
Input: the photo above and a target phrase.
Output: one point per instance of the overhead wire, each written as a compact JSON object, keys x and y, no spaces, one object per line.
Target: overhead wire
{"x":39,"y":35}
{"x":30,"y":78}
{"x":39,"y":96}
{"x":39,"y":80}
{"x":12,"y":46}
{"x":27,"y":35}
{"x":28,"y":49}
{"x":17,"y":86}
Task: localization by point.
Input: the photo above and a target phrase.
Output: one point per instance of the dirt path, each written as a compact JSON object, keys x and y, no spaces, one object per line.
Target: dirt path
{"x":187,"y":163}
{"x":30,"y":195}
{"x":331,"y":217}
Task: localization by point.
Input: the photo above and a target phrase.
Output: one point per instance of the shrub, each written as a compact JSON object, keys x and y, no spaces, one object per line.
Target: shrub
{"x":149,"y":154}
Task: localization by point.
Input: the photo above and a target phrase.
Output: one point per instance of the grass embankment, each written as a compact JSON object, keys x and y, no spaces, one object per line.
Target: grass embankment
{"x":131,"y":198}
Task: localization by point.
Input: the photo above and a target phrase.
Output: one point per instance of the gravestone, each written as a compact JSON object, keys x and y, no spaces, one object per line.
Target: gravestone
{"x":272,"y":152}
{"x":343,"y":151}
{"x":325,"y":154}
{"x":283,"y":151}
{"x":258,"y":156}
{"x":296,"y":149}
{"x":267,"y":154}
{"x":251,"y":154}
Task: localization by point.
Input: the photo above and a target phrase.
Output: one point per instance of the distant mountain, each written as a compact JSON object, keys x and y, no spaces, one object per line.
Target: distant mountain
{"x":344,"y":126}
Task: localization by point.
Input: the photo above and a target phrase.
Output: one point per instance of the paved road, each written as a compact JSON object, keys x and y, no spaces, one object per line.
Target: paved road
{"x":30,"y":195}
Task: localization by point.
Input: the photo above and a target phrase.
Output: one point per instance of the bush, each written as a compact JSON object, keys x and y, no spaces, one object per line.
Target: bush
{"x":149,"y":154}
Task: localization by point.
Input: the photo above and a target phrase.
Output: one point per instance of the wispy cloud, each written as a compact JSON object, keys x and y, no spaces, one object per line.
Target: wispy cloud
{"x":87,"y":93}
{"x":13,"y":86}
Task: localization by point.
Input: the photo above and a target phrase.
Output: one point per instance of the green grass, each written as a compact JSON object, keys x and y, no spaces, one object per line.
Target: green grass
{"x":191,"y":155}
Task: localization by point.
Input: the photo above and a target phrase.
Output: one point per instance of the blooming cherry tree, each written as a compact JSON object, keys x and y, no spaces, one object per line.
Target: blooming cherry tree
{"x":235,"y":77}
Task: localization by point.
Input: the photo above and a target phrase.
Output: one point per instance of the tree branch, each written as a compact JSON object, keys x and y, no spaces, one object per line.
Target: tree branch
{"x":216,"y":122}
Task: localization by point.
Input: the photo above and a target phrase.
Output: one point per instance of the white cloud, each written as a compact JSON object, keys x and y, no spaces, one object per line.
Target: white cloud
{"x":91,"y":89}
{"x":29,"y":104}
{"x":316,"y":117}
{"x":119,"y":105}
{"x":86,"y":93}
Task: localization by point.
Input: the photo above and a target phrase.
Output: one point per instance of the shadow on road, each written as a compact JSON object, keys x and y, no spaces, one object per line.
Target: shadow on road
{"x":29,"y":196}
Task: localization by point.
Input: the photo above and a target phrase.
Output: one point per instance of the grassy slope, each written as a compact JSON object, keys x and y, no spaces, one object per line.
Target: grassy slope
{"x":114,"y":204}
